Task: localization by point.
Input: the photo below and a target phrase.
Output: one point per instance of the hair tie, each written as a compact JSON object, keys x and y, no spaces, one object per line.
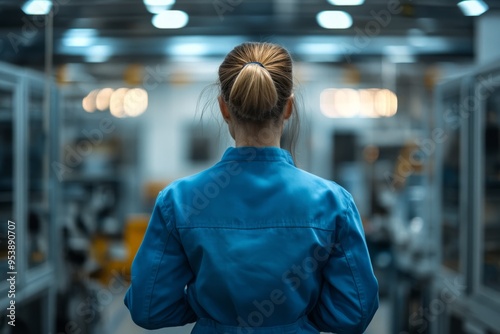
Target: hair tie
{"x":254,"y":62}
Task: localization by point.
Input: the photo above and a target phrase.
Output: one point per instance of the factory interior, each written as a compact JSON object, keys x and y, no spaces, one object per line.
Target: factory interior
{"x":103,"y":103}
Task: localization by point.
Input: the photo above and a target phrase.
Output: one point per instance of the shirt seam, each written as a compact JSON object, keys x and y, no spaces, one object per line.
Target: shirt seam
{"x":164,"y":211}
{"x":254,"y":228}
{"x":156,"y":270}
{"x":255,"y":160}
{"x":351,"y":265}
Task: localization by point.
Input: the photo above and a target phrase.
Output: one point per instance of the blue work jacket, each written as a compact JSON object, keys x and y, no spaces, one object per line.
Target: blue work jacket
{"x":254,"y":245}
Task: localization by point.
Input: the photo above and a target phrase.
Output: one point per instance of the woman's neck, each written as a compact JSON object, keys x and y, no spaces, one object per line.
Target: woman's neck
{"x":261,"y":138}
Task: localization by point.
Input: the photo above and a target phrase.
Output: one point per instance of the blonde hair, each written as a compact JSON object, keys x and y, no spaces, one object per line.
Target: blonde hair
{"x":256,"y":81}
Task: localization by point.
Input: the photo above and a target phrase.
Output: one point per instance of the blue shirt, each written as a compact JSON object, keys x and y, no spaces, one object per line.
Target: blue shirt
{"x":254,"y":245}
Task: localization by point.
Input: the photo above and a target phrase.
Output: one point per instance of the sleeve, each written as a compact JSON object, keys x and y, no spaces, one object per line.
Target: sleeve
{"x":156,"y":297}
{"x":349,"y":295}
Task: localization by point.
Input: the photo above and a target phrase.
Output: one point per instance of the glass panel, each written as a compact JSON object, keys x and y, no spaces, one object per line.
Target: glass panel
{"x":450,"y":186}
{"x":38,"y":213}
{"x":6,"y":169}
{"x":29,"y":316}
{"x":491,"y":208}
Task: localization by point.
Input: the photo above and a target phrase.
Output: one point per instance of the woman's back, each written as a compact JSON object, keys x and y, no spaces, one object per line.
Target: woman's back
{"x":257,"y":233}
{"x":254,"y":244}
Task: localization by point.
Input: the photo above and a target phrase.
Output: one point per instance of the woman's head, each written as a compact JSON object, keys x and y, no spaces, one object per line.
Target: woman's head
{"x":256,"y":88}
{"x":256,"y":82}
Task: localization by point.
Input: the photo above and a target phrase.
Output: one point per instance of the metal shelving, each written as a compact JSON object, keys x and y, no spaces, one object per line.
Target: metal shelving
{"x":468,"y":175}
{"x":28,"y":194}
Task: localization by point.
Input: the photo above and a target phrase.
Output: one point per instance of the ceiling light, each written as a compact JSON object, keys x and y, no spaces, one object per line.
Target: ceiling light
{"x":89,"y":101}
{"x":327,"y":103}
{"x":367,"y":104}
{"x":98,"y":54}
{"x":102,"y":98}
{"x":189,"y":49}
{"x":79,"y":37}
{"x":386,"y":103}
{"x":473,"y":7}
{"x":37,"y":7}
{"x":362,"y":103}
{"x":346,"y":2}
{"x":334,"y":19}
{"x":170,"y":19}
{"x":319,"y":52}
{"x":158,"y":6}
{"x":399,"y":54}
{"x":157,"y":9}
{"x":159,"y":2}
{"x":116,"y":102}
{"x":318,"y":48}
{"x":135,"y":102}
{"x":78,"y":41}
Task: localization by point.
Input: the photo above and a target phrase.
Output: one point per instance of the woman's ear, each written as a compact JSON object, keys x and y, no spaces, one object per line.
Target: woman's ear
{"x":288,"y":108}
{"x":223,"y":109}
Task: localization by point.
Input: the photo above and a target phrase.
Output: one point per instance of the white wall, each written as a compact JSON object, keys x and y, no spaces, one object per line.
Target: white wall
{"x":172,"y":111}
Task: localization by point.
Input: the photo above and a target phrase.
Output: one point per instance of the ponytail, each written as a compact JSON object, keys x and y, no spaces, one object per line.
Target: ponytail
{"x":253,"y":95}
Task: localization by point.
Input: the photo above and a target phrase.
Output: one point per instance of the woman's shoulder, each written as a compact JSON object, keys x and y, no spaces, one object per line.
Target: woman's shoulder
{"x":319,"y":181}
{"x":193,"y":181}
{"x":293,"y":179}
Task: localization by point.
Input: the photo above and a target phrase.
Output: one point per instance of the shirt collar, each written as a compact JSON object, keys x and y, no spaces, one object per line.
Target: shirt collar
{"x":251,"y":153}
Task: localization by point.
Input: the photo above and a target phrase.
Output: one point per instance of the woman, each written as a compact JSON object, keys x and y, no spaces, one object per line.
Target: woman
{"x":254,"y":244}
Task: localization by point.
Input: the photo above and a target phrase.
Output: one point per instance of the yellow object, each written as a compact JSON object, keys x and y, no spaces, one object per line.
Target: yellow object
{"x":104,"y":248}
{"x":135,"y":229}
{"x":352,"y":75}
{"x":100,"y":253}
{"x":133,"y":74}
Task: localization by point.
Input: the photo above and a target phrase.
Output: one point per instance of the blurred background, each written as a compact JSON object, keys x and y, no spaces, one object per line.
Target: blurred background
{"x":100,"y":108}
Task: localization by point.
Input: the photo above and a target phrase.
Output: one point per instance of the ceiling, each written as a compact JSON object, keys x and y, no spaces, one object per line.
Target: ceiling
{"x":431,"y":30}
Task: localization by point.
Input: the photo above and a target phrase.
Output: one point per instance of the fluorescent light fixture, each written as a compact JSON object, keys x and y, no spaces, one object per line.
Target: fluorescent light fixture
{"x":319,"y":52}
{"x":170,"y":19}
{"x":157,"y":9}
{"x":80,"y":32}
{"x":79,"y":37}
{"x":346,"y":2}
{"x":399,"y":54}
{"x":317,"y":49}
{"x":78,"y":41}
{"x":334,"y":19}
{"x":158,"y":6}
{"x":98,"y":54}
{"x":189,"y":49}
{"x":473,"y":7}
{"x":37,"y":7}
{"x":159,"y":2}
